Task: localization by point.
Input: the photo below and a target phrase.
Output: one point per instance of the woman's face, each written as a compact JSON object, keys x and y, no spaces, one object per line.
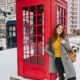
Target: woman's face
{"x":59,"y":30}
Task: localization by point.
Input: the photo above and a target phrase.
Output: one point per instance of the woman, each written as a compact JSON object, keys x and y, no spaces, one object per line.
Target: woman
{"x":59,"y":60}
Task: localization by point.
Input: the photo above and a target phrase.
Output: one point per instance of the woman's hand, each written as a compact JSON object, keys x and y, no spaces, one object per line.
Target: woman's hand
{"x":63,"y":41}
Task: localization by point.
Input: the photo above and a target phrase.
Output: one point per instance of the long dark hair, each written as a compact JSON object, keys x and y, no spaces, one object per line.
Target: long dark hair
{"x":53,"y":37}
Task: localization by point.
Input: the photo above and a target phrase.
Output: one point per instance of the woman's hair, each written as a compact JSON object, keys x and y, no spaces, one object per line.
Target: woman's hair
{"x":53,"y":37}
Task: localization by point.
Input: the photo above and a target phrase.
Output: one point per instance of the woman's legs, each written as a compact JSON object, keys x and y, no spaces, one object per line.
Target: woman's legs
{"x":60,"y":68}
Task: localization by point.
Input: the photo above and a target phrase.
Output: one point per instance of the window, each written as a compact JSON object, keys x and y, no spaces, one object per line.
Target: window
{"x":14,"y":34}
{"x":60,"y":15}
{"x":74,"y":17}
{"x":12,"y":8}
{"x":74,"y":0}
{"x":14,"y":31}
{"x":2,"y":21}
{"x":33,"y":34}
{"x":10,"y":28}
{"x":10,"y":1}
{"x":14,"y":28}
{"x":74,"y":22}
{"x":0,"y":31}
{"x":73,"y":26}
{"x":1,"y":1}
{"x":10,"y":34}
{"x":74,"y":13}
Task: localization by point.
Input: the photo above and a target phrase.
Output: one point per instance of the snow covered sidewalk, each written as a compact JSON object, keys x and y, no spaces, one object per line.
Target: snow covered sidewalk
{"x":8,"y":64}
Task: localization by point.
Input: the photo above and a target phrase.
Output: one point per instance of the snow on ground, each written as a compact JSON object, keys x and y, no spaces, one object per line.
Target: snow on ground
{"x":8,"y":62}
{"x":75,"y":39}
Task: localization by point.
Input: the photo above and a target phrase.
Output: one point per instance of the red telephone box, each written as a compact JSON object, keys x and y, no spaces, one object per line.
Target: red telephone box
{"x":36,"y":20}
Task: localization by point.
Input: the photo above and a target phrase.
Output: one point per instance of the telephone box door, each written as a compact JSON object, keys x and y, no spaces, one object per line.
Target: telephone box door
{"x":30,"y":38}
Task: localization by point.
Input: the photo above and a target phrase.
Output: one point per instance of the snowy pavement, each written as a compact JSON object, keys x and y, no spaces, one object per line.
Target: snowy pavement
{"x":8,"y":64}
{"x":75,"y":39}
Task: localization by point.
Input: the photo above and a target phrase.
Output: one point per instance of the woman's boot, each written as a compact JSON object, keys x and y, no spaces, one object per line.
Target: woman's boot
{"x":73,"y":78}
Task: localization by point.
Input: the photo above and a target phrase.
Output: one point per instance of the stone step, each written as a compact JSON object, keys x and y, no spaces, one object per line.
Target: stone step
{"x":13,"y":78}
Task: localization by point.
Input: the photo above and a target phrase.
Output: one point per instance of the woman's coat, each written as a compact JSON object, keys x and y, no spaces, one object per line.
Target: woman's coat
{"x":68,"y":65}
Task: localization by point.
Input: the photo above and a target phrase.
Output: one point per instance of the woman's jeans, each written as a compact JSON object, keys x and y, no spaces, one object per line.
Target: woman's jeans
{"x":60,"y":68}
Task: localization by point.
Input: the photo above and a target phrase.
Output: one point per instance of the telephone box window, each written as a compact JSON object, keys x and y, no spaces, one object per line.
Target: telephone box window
{"x":25,"y":30}
{"x":40,"y":20}
{"x":32,"y":20}
{"x":40,"y":9}
{"x":32,"y":30}
{"x":57,"y":10}
{"x":33,"y":59}
{"x":40,"y":50}
{"x":26,"y":58}
{"x":40,"y":40}
{"x":40,"y":60}
{"x":26,"y":49}
{"x":32,"y":10}
{"x":63,"y":12}
{"x":32,"y":50}
{"x":26,"y":40}
{"x":57,"y":19}
{"x":40,"y":30}
{"x":25,"y":11}
{"x":33,"y":34}
{"x":60,"y":15}
{"x":33,"y":40}
{"x":26,"y":19}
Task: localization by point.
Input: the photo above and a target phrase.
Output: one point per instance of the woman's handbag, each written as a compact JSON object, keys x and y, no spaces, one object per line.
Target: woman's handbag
{"x":72,"y":55}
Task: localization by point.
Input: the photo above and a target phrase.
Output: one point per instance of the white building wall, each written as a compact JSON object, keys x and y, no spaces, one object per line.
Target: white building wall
{"x":69,"y":18}
{"x":75,"y":25}
{"x":79,"y":14}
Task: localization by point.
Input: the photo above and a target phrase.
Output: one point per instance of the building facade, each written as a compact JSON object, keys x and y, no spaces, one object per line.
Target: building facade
{"x":74,"y":17}
{"x":6,"y":5}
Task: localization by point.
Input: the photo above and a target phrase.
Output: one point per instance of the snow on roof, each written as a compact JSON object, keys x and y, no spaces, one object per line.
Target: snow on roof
{"x":12,"y":19}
